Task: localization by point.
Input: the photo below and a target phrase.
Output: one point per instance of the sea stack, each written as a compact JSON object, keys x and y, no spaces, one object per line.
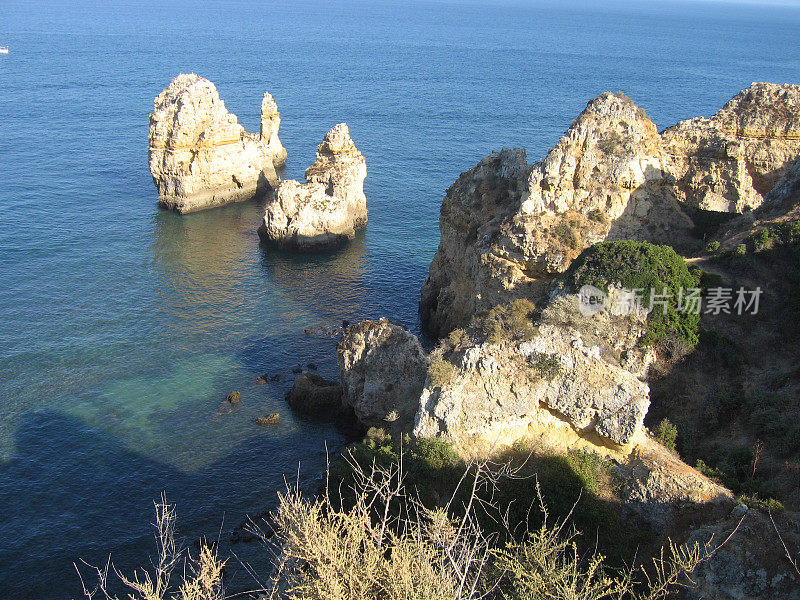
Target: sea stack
{"x":201,"y":157}
{"x":326,"y":210}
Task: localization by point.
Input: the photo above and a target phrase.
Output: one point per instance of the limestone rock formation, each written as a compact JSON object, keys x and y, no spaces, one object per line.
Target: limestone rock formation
{"x":383,"y":369}
{"x":730,"y":161}
{"x":329,"y":208}
{"x":657,"y":486}
{"x":555,"y":384}
{"x":200,"y":156}
{"x":507,"y":227}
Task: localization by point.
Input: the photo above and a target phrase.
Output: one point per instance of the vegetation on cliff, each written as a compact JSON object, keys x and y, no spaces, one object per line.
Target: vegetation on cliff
{"x":656,"y":272}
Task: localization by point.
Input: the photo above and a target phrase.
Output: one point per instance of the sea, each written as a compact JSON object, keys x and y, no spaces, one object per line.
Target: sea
{"x":123,"y":326}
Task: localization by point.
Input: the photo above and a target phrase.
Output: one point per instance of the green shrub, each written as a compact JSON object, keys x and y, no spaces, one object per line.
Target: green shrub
{"x":567,"y":234}
{"x":780,"y":234}
{"x":590,"y":468}
{"x":766,"y":505}
{"x":547,"y":365}
{"x":764,"y":239}
{"x":429,"y":456}
{"x":711,"y":472}
{"x":740,"y":250}
{"x":646,"y":267}
{"x":772,"y":418}
{"x":666,"y":433}
{"x":440,"y":372}
{"x":712,"y":247}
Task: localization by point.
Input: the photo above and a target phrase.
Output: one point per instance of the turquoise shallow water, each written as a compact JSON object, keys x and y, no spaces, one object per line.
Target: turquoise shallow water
{"x":122,"y":327}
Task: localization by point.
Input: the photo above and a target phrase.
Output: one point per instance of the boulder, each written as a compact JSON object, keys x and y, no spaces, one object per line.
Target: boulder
{"x":326,"y":210}
{"x":658,"y":487}
{"x":271,"y":419}
{"x":199,"y":154}
{"x":313,"y":395}
{"x":383,"y":368}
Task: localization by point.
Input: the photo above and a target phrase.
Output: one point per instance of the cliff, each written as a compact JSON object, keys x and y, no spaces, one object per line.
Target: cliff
{"x":732,"y":160}
{"x":199,"y":154}
{"x":509,"y":228}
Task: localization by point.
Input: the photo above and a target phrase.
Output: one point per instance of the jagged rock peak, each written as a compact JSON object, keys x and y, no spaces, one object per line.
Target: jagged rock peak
{"x":610,"y":147}
{"x":326,"y":210}
{"x":508,"y":227}
{"x":199,"y":154}
{"x":270,"y":123}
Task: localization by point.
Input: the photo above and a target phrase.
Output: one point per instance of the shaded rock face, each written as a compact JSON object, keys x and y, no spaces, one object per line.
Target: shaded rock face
{"x":555,"y":384}
{"x":752,"y":564}
{"x":383,"y":369}
{"x":786,"y":193}
{"x":199,"y":154}
{"x":657,"y":486}
{"x":508,"y":228}
{"x":313,"y":395}
{"x":329,"y":208}
{"x":731,"y":161}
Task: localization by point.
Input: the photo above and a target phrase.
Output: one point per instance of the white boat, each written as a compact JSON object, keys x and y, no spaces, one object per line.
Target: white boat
{"x":3,"y":49}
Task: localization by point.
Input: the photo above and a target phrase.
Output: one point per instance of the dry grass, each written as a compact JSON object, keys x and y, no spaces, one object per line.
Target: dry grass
{"x":510,"y":322}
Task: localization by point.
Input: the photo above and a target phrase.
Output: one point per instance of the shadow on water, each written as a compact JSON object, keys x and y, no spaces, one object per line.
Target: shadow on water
{"x":330,"y":284}
{"x":63,"y":511}
{"x":357,"y":281}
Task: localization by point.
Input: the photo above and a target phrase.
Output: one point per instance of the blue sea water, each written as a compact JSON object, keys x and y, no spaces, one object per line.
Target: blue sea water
{"x":122,"y":326}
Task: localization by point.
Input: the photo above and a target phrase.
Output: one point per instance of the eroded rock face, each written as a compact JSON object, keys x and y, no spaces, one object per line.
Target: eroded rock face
{"x":730,"y":161}
{"x":383,"y":369}
{"x":200,"y":156}
{"x":555,"y":384}
{"x":329,"y":208}
{"x":657,"y":486}
{"x":508,"y":227}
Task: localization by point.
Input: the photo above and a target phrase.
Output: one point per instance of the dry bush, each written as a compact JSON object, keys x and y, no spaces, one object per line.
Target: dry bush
{"x":366,"y":553}
{"x":441,"y":371}
{"x":201,"y":579}
{"x":375,"y":551}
